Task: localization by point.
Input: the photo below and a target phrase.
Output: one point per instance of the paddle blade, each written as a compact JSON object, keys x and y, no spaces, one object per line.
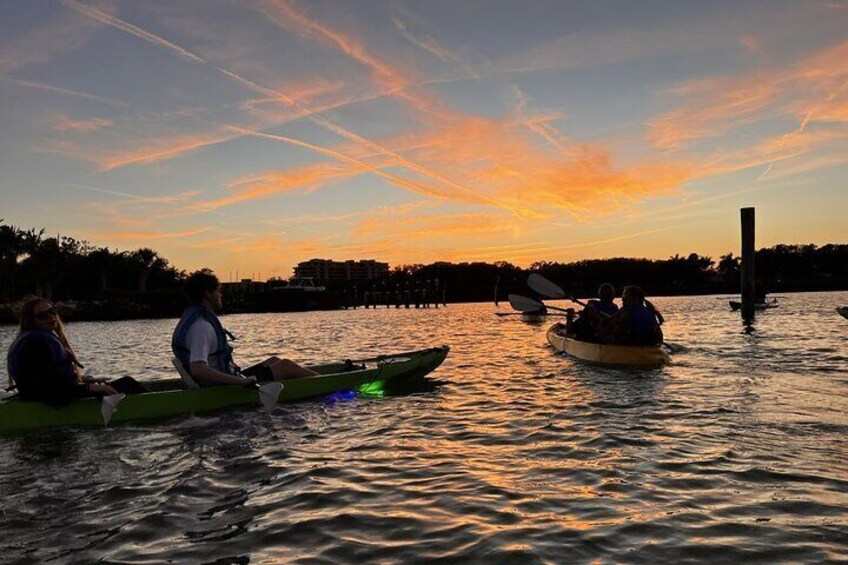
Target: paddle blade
{"x":109,"y":405}
{"x":544,"y":287}
{"x":269,"y":394}
{"x":524,"y":304}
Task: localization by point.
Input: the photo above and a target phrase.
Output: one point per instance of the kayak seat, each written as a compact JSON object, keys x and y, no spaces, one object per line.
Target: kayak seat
{"x":351,"y":366}
{"x":187,"y":380}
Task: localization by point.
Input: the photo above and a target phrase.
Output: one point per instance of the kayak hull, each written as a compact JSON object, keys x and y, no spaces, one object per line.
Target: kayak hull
{"x":635,"y":356}
{"x":168,"y":397}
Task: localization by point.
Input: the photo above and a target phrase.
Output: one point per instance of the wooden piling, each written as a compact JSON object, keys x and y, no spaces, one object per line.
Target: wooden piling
{"x":748,"y":253}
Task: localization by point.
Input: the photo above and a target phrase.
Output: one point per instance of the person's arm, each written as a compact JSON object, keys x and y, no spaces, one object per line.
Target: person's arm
{"x":63,"y":339}
{"x":617,"y":325}
{"x":655,"y":312}
{"x":658,"y":334}
{"x":201,"y":340}
{"x":201,"y":371}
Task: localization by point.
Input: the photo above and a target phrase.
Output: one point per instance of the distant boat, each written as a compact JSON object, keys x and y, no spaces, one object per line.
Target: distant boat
{"x":529,"y":317}
{"x":305,"y":284}
{"x":534,"y":317}
{"x":843,"y":311}
{"x":735,"y":305}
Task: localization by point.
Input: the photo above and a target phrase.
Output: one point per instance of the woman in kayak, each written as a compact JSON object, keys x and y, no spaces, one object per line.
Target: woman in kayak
{"x":43,"y":366}
{"x":201,"y":344}
{"x":635,"y":323}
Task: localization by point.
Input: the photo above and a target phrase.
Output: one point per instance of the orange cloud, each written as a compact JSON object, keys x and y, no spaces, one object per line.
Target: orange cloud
{"x":352,"y":47}
{"x":284,"y":14}
{"x":142,"y":236}
{"x":269,"y":111}
{"x":64,"y":122}
{"x":111,"y":151}
{"x":160,"y":149}
{"x":715,"y":106}
{"x":270,"y":184}
{"x":403,"y":182}
{"x":517,"y":174}
{"x":432,"y":226}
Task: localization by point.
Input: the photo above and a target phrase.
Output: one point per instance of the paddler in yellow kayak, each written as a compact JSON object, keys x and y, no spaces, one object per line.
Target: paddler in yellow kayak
{"x":587,"y":326}
{"x":636,"y":323}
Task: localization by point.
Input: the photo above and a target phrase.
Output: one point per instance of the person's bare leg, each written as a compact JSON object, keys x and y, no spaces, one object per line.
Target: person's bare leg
{"x":287,"y":369}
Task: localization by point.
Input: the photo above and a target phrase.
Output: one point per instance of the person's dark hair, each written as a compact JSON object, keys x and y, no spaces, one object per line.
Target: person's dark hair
{"x":606,"y":292}
{"x":198,"y":283}
{"x":636,"y":292}
{"x":28,"y":313}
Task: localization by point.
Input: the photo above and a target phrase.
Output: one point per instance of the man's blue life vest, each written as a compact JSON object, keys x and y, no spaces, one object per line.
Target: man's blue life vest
{"x":59,"y":356}
{"x":643,"y":323}
{"x":223,"y":351}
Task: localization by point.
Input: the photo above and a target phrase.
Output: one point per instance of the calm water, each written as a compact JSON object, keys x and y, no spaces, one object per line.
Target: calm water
{"x":737,"y":452}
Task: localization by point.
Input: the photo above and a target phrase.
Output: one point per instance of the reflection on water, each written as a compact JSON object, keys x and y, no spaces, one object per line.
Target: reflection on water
{"x":508,"y":453}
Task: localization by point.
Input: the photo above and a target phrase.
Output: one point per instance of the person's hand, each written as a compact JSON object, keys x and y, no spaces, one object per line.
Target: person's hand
{"x":101,"y":388}
{"x":250,"y":382}
{"x":87,"y":378}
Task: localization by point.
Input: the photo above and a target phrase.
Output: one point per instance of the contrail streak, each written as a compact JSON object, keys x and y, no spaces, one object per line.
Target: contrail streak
{"x":51,"y":88}
{"x":129,"y":28}
{"x":384,"y":70}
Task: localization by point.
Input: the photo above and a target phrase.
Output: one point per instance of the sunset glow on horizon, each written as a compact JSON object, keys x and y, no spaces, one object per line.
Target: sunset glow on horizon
{"x":250,"y":136}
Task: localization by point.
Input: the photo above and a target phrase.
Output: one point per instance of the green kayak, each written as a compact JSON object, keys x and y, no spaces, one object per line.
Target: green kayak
{"x":170,"y":397}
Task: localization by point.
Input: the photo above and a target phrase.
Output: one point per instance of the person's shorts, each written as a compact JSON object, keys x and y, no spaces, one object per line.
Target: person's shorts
{"x":263,"y":373}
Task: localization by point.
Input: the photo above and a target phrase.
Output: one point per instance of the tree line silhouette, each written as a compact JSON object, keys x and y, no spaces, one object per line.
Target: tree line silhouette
{"x":64,"y":268}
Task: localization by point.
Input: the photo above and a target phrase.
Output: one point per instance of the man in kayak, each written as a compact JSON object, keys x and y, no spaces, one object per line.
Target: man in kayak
{"x":636,"y":323}
{"x":201,"y":343}
{"x":587,"y":326}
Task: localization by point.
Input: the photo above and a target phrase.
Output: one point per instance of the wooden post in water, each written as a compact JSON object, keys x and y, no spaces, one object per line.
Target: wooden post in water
{"x":748,"y":253}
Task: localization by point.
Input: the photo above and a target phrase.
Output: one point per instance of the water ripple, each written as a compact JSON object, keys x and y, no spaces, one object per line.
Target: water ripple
{"x":511,"y":454}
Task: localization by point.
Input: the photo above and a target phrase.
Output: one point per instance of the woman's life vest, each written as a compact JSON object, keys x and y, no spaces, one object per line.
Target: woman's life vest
{"x":223,"y":351}
{"x":21,"y":375}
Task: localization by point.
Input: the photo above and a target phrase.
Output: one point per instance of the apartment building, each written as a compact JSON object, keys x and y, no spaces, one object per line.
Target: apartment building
{"x":327,"y":270}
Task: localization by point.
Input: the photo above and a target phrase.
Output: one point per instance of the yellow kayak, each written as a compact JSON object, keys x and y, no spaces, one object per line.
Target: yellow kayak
{"x":639,"y":356}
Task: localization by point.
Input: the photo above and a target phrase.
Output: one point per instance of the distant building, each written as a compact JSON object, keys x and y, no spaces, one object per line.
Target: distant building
{"x":326,"y":270}
{"x":244,"y":285}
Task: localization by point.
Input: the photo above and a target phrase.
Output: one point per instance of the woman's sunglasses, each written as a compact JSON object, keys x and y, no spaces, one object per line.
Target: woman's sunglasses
{"x":46,"y":314}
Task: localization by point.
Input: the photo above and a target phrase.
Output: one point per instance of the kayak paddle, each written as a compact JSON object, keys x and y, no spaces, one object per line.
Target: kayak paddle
{"x":109,"y":405}
{"x":544,"y":287}
{"x":502,"y":314}
{"x":269,"y":393}
{"x":550,"y":290}
{"x":528,"y":305}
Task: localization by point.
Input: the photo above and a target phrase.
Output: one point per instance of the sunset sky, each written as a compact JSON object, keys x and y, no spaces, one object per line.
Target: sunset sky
{"x":249,"y":135}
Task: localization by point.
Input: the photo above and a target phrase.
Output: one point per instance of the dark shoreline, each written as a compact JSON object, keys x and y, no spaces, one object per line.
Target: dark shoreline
{"x":120,"y":309}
